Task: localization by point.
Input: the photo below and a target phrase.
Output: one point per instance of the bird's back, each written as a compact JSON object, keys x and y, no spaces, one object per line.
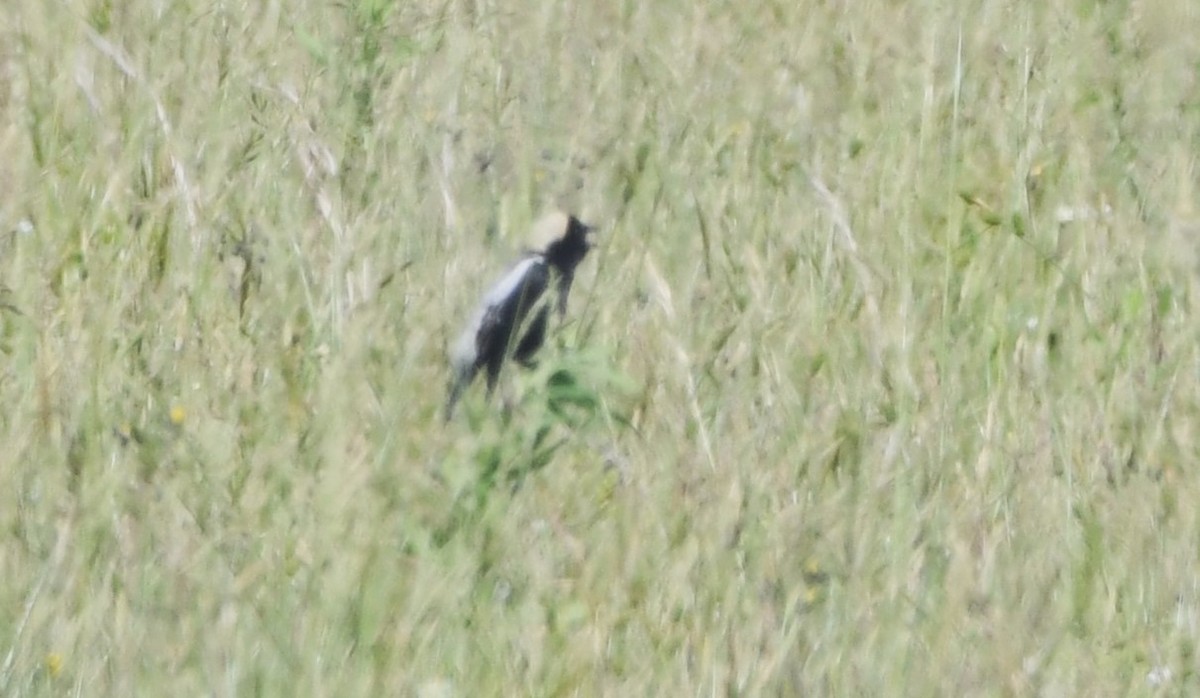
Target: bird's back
{"x":491,"y":335}
{"x":505,"y":308}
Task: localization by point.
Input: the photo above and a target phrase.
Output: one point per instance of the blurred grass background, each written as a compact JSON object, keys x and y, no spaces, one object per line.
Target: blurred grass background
{"x":881,"y":381}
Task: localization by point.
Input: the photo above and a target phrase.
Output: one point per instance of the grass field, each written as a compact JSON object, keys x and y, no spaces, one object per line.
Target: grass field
{"x":882,"y":380}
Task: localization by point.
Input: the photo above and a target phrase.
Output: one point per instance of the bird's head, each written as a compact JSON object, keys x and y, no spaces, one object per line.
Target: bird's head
{"x":563,"y":240}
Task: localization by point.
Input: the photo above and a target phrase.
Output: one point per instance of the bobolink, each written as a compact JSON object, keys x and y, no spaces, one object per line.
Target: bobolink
{"x":502,"y":327}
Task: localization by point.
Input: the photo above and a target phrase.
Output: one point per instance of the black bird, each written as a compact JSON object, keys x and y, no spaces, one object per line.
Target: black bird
{"x":493,"y":333}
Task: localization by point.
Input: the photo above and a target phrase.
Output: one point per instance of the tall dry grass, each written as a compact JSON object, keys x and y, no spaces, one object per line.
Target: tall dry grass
{"x":881,"y":382}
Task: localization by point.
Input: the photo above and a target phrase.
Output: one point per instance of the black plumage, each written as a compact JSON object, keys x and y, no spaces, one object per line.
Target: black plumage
{"x":516,"y":307}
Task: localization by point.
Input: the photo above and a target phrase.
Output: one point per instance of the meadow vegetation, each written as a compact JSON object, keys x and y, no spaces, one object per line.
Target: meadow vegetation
{"x":881,"y":380}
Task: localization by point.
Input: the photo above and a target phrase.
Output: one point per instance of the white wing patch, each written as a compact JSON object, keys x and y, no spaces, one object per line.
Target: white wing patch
{"x":462,"y":354}
{"x":505,"y":287}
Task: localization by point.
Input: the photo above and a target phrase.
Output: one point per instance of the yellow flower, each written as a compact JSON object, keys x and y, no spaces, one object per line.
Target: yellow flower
{"x":54,"y":664}
{"x":178,"y":414}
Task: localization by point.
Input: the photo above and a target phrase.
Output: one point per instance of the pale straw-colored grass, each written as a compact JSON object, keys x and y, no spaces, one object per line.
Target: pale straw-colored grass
{"x":882,"y":381}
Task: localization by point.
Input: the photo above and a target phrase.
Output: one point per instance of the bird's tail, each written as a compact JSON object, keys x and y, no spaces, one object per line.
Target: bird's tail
{"x":461,"y":374}
{"x":454,"y":393}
